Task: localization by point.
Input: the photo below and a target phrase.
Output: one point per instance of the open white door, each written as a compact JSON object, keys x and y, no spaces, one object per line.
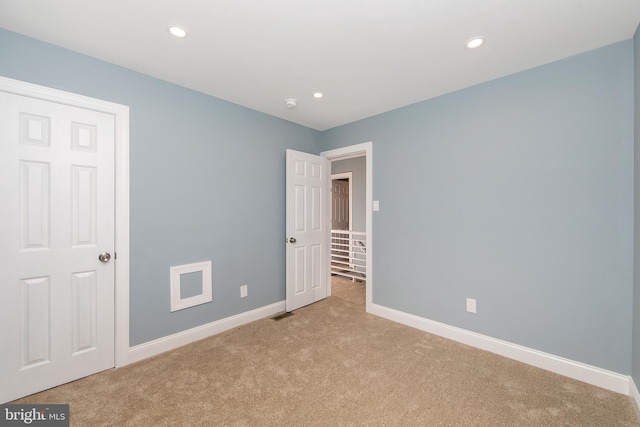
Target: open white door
{"x":308,"y":228}
{"x":57,"y":228}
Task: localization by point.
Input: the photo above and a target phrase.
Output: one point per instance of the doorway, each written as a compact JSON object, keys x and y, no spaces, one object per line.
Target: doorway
{"x":345,"y":153}
{"x":341,"y":200}
{"x":347,"y":243}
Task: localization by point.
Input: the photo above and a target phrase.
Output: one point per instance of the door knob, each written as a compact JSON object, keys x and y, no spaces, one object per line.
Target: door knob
{"x":292,"y":240}
{"x":104,"y":257}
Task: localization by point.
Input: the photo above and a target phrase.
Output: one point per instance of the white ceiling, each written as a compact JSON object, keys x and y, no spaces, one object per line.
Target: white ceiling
{"x":366,"y":56}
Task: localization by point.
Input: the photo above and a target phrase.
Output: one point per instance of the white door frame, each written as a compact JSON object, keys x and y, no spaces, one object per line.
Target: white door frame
{"x":359,"y":150}
{"x":121,"y":116}
{"x":348,"y":176}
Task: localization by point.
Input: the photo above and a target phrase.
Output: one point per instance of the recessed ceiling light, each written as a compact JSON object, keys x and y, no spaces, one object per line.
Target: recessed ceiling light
{"x":475,"y":42}
{"x":318,"y":95}
{"x":177,"y":31}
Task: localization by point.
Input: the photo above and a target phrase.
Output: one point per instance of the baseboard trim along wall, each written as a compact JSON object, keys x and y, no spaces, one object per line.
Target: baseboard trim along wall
{"x":635,"y":397}
{"x":579,"y":371}
{"x":151,"y":348}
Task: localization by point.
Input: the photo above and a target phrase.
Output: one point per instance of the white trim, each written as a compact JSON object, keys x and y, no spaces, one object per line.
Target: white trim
{"x":634,"y":395}
{"x":152,"y":348}
{"x":121,"y":116}
{"x":122,"y":239}
{"x":359,"y":150}
{"x":205,"y":295}
{"x":569,"y":368}
{"x":349,"y":177}
{"x":342,"y":175}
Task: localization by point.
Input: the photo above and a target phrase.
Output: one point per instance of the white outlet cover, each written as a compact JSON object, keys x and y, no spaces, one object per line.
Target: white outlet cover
{"x":243,"y":291}
{"x":376,"y":205}
{"x":471,"y":305}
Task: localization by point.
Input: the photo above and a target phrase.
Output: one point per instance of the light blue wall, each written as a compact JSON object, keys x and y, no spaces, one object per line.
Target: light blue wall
{"x":636,"y":253}
{"x":358,"y":167}
{"x":518,"y":193}
{"x":207,"y":183}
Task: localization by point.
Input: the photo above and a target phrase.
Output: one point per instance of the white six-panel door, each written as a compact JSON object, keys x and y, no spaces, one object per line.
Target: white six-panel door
{"x":56,"y":218}
{"x":307,"y":226}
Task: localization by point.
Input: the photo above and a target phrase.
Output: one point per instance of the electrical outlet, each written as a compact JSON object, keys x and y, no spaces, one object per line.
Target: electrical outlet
{"x":471,"y":305}
{"x":243,"y":291}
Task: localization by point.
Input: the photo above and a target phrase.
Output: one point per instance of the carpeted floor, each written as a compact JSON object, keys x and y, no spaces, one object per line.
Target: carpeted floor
{"x":331,"y":364}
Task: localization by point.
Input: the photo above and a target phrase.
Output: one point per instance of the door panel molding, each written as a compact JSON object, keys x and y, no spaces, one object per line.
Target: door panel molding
{"x":121,"y":117}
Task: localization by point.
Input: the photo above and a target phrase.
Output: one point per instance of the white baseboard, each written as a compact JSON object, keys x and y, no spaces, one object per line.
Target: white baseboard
{"x":635,"y":397}
{"x":151,"y":348}
{"x":579,"y":371}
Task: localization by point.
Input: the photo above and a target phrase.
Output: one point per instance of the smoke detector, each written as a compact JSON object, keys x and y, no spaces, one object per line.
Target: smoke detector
{"x":290,"y":103}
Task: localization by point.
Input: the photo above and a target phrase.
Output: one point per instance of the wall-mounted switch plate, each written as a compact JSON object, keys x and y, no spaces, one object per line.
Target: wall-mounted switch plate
{"x":243,"y":291}
{"x":471,"y":305}
{"x":376,"y":205}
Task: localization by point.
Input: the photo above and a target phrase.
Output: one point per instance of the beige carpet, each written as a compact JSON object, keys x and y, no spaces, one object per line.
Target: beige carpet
{"x":331,"y":364}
